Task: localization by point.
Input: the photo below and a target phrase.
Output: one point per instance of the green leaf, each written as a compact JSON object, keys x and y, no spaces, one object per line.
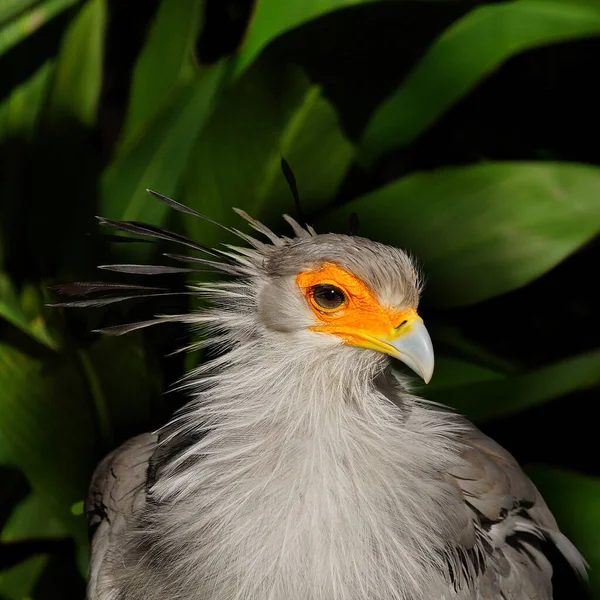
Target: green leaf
{"x":158,"y":155}
{"x":30,"y":519}
{"x":27,"y":19}
{"x":486,"y":229}
{"x":453,"y":339}
{"x":165,"y":62}
{"x":11,"y":309}
{"x":126,"y":385}
{"x":59,"y":416}
{"x":452,"y":372}
{"x":42,"y":318}
{"x":272,"y":18}
{"x":17,"y":583}
{"x":9,"y":9}
{"x":269,"y":113}
{"x":5,"y":457}
{"x":19,"y":112}
{"x":452,"y":66}
{"x":573,"y":499}
{"x":78,"y":508}
{"x":78,"y":76}
{"x":498,"y":398}
{"x":47,"y":424}
{"x":13,"y":487}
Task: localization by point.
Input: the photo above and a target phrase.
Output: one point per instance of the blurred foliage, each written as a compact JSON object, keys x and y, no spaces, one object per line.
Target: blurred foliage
{"x":463,"y":131}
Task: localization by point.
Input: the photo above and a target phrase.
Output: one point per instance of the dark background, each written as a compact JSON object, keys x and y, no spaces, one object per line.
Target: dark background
{"x":539,"y":105}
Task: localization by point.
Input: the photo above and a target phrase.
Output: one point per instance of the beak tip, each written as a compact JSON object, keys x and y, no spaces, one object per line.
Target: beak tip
{"x":415,"y":350}
{"x":427,"y":372}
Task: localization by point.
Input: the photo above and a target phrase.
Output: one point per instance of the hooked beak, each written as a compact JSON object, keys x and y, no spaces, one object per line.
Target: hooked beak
{"x":399,"y":333}
{"x":412,"y":345}
{"x":407,"y":341}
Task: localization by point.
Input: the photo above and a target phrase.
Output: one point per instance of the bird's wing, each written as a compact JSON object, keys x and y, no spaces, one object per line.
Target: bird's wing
{"x":117,"y":492}
{"x":511,"y":521}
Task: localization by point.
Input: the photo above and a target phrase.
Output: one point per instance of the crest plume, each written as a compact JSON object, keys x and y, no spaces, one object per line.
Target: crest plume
{"x":236,"y":261}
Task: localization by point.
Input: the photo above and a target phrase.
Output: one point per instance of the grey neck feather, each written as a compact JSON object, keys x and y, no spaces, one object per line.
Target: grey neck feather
{"x":307,"y":482}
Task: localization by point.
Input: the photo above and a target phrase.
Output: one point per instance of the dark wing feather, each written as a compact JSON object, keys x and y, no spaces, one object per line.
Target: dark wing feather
{"x":117,"y":493}
{"x":512,"y":521}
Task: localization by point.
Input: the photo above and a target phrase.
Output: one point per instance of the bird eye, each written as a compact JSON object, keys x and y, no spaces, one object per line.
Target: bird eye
{"x":328,"y":296}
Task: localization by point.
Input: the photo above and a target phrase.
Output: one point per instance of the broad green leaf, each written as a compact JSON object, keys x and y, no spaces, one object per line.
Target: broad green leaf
{"x":126,"y":386}
{"x":165,"y":61}
{"x":454,"y":339}
{"x":47,"y":424}
{"x":269,"y":113}
{"x":464,"y":54}
{"x":272,"y":18}
{"x":17,"y":582}
{"x":5,"y":457}
{"x":452,"y":372}
{"x":485,"y":229}
{"x":11,"y":309}
{"x":78,"y":508}
{"x":28,"y":17}
{"x":573,"y":499}
{"x":30,"y":519}
{"x":32,"y":300}
{"x":59,"y":416}
{"x":158,"y":155}
{"x":20,"y":111}
{"x":13,"y":487}
{"x":78,"y":77}
{"x":492,"y":399}
{"x":9,"y":9}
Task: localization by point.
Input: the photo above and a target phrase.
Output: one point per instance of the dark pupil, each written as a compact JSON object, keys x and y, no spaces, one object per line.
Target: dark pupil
{"x":328,"y":296}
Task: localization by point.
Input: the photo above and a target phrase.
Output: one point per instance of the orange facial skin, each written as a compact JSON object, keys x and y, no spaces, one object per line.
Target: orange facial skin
{"x":361,"y":320}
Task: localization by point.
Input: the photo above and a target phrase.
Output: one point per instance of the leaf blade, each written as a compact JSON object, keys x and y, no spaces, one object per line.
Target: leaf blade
{"x":450,"y":69}
{"x":488,"y":400}
{"x":78,"y":76}
{"x":156,"y":157}
{"x":49,"y":421}
{"x":573,"y":499}
{"x":451,"y":372}
{"x":24,"y":24}
{"x":20,"y":111}
{"x":165,"y":61}
{"x":29,"y":519}
{"x":485,"y":229}
{"x":271,"y":112}
{"x":272,"y":18}
{"x":48,"y":430}
{"x":11,"y":309}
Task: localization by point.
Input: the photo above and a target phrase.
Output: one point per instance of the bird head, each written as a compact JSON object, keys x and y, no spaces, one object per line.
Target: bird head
{"x":327,"y":290}
{"x":345,"y":290}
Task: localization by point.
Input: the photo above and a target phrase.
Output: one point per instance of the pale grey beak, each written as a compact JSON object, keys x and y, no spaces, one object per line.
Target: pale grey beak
{"x":415,"y":349}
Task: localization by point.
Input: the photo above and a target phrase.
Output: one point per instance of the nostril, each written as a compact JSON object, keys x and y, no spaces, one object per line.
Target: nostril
{"x":403,"y":323}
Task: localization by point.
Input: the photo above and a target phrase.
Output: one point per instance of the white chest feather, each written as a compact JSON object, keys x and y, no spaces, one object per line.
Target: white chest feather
{"x":311,"y":494}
